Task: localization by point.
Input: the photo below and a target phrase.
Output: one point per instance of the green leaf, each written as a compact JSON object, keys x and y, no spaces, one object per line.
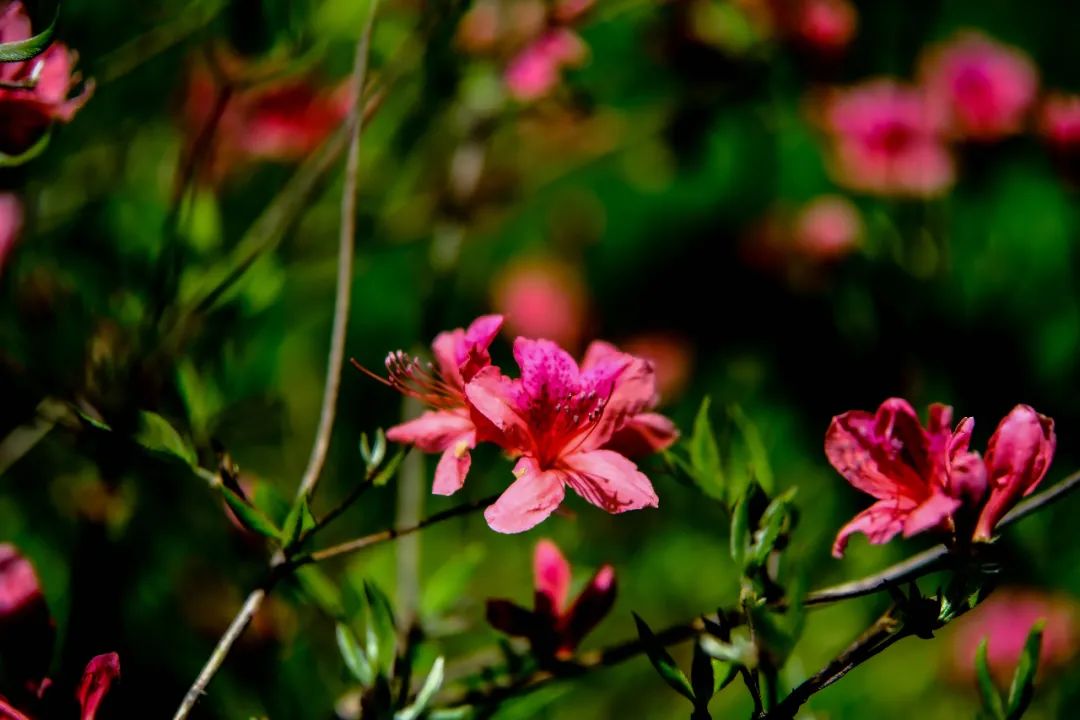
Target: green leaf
{"x":29,"y":154}
{"x":759,"y":458}
{"x":1022,"y":689}
{"x":772,"y":525}
{"x":431,"y":686}
{"x":373,"y":454}
{"x":705,"y":454}
{"x":448,"y":583}
{"x":156,"y":434}
{"x":990,"y":696}
{"x":662,"y":661}
{"x":381,"y":629}
{"x":353,"y":655}
{"x":250,"y":517}
{"x":18,"y":50}
{"x":740,"y":530}
{"x":740,"y":651}
{"x":389,"y":469}
{"x":321,"y":590}
{"x":702,"y":679}
{"x":298,"y":522}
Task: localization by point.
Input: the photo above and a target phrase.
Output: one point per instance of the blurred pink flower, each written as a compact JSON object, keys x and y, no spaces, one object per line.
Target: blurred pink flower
{"x":11,"y":222}
{"x":280,"y":122}
{"x":824,"y":26}
{"x":558,"y":419}
{"x":1059,"y":121}
{"x":542,"y":299}
{"x":537,"y":69}
{"x":50,"y":79}
{"x":553,"y":629}
{"x":919,"y":476}
{"x":672,"y":357}
{"x":985,"y":88}
{"x":449,"y":427}
{"x":887,"y":139}
{"x":827,"y":228}
{"x":1005,"y":619}
{"x":1017,"y":458}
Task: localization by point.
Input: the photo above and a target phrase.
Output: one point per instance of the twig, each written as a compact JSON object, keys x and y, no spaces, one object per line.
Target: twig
{"x":346,"y":239}
{"x":236,"y":629}
{"x":382,"y":536}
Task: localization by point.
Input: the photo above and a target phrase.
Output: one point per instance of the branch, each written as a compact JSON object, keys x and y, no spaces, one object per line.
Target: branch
{"x":346,"y":240}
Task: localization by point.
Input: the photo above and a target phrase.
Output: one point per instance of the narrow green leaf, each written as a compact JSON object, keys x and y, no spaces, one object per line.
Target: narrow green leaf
{"x":723,"y":674}
{"x":298,"y":522}
{"x":702,"y":678}
{"x":448,"y":583}
{"x":705,"y":454}
{"x":737,"y":652}
{"x":1022,"y":689}
{"x":990,"y":696}
{"x":759,"y":458}
{"x":378,"y":450}
{"x":321,"y":590}
{"x":365,"y":449}
{"x":18,"y":50}
{"x":353,"y":655}
{"x":740,"y":530}
{"x":662,"y":661}
{"x":382,"y":633}
{"x":389,"y":469}
{"x":772,"y":524}
{"x":156,"y":434}
{"x":29,"y":154}
{"x":250,"y":517}
{"x":431,"y":686}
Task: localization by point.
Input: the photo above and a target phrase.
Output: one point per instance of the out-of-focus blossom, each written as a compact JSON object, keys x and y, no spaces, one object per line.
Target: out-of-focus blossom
{"x":501,"y":26}
{"x":919,"y":476}
{"x":542,"y":299}
{"x":558,"y":419}
{"x":26,"y":627}
{"x":536,"y":70}
{"x":554,"y":628}
{"x":827,"y":228}
{"x":1005,"y":619}
{"x":825,"y":27}
{"x":1017,"y":458}
{"x":26,"y":638}
{"x":279,"y":122}
{"x":449,"y":426}
{"x":1059,"y":121}
{"x":672,"y":357}
{"x":48,"y":79}
{"x":887,"y":139}
{"x":985,"y":88}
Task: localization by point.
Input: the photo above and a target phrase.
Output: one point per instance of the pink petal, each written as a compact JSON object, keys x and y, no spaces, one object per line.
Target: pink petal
{"x":633,"y":391}
{"x":8,"y":711}
{"x":590,"y":608}
{"x":19,"y":587}
{"x":1017,"y":457}
{"x":548,"y":373}
{"x":609,"y":481}
{"x":966,"y":470}
{"x":510,"y":618}
{"x":598,"y":351}
{"x":14,"y":23}
{"x":436,"y":430}
{"x":551,"y":575}
{"x":27,"y":630}
{"x":880,"y":522}
{"x":448,"y":347}
{"x":452,"y":468}
{"x":644,"y":434}
{"x":931,"y":514}
{"x":495,"y":398}
{"x":11,"y":222}
{"x":528,"y":501}
{"x":97,"y":678}
{"x":863,"y":455}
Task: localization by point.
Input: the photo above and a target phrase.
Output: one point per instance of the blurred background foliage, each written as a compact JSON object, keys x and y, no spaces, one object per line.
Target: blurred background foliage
{"x":638,"y":192}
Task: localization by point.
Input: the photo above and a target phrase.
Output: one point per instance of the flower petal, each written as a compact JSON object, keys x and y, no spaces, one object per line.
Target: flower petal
{"x":930,"y":514}
{"x":452,"y":468}
{"x":494,"y":397}
{"x":27,"y":631}
{"x":461,"y":354}
{"x":551,"y":576}
{"x":548,"y":373}
{"x":8,"y":711}
{"x":880,"y":522}
{"x":528,"y":501}
{"x":510,"y":618}
{"x":99,"y":675}
{"x":591,"y":606}
{"x":966,"y":470}
{"x":609,"y":481}
{"x":643,"y":434}
{"x":435,"y":430}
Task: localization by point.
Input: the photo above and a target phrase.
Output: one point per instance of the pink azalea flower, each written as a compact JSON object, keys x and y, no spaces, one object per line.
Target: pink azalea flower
{"x":542,"y":298}
{"x":537,"y":69}
{"x":50,"y":79}
{"x":1017,"y":458}
{"x":26,"y":627}
{"x":887,"y":140}
{"x":98,"y":677}
{"x":11,"y":221}
{"x":448,"y":427}
{"x":553,"y":628}
{"x":1059,"y":121}
{"x":984,"y":87}
{"x":827,"y":228}
{"x":919,"y":476}
{"x":1005,"y":619}
{"x":825,"y":26}
{"x":559,"y":418}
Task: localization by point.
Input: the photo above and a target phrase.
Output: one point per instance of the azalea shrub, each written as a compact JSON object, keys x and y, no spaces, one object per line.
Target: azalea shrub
{"x":538,"y":359}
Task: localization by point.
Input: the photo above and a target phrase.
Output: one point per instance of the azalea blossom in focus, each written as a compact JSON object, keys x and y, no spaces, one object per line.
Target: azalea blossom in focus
{"x":11,"y":222}
{"x":542,"y":298}
{"x":1004,"y":619}
{"x":448,"y":427}
{"x":558,"y":419}
{"x":48,"y":83}
{"x":554,"y":627}
{"x":887,"y":138}
{"x":281,"y":121}
{"x":927,"y":478}
{"x":984,"y":87}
